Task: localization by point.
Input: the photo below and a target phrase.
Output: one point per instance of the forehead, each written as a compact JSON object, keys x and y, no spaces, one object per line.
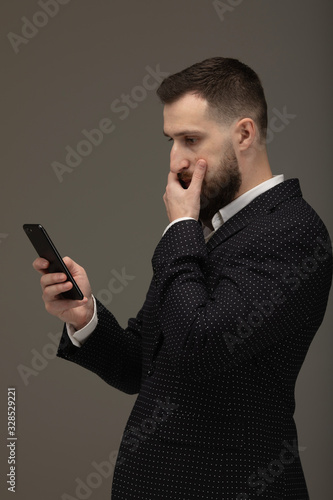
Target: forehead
{"x":187,"y":112}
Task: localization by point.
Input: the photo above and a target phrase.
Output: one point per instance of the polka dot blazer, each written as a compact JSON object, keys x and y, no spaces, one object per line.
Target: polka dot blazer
{"x":214,"y":354}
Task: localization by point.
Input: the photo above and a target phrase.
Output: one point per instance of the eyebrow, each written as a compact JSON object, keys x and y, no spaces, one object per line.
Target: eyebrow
{"x":184,"y":132}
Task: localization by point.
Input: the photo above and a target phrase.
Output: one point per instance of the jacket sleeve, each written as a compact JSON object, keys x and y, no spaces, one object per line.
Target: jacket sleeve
{"x":273,"y":283}
{"x":113,"y":353}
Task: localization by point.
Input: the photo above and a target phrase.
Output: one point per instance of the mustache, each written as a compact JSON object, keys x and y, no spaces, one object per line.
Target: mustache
{"x":184,"y":180}
{"x":182,"y":177}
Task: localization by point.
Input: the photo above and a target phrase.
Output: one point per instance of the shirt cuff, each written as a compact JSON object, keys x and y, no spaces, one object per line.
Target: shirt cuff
{"x":177,"y":220}
{"x":78,"y":337}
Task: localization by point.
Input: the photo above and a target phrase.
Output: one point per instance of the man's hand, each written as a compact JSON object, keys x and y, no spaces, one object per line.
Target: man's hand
{"x":180,"y":202}
{"x":76,"y":312}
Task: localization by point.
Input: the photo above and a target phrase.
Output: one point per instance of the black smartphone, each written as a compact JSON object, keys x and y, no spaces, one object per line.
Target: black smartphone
{"x":46,"y":249}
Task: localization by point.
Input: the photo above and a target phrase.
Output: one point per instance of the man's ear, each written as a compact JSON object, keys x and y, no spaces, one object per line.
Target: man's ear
{"x":245,"y":133}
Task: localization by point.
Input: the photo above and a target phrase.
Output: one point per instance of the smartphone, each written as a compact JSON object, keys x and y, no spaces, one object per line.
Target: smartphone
{"x":46,"y":249}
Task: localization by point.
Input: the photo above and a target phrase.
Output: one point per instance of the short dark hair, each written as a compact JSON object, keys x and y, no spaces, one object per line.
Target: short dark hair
{"x":232,"y":89}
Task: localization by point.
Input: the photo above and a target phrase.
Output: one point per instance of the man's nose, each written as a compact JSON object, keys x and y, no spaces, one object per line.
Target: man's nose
{"x":178,"y":161}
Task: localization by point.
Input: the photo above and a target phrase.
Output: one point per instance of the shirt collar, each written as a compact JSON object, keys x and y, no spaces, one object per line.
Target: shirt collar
{"x":236,"y":205}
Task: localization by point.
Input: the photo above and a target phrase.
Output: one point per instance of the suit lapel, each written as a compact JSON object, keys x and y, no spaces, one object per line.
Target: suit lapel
{"x":264,"y":203}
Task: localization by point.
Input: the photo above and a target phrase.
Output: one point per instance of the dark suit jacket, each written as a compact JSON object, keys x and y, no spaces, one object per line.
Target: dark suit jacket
{"x":214,"y":354}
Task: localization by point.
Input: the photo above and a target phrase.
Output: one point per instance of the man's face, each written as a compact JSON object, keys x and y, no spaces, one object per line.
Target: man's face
{"x":196,"y":135}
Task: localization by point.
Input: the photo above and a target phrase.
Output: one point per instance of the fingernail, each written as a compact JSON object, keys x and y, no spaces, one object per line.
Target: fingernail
{"x":202,"y":163}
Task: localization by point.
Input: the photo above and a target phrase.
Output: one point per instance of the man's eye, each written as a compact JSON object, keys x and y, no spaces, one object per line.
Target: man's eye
{"x":191,"y":140}
{"x":188,"y":140}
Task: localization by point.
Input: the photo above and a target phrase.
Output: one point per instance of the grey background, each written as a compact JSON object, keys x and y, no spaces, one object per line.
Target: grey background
{"x":108,"y":213}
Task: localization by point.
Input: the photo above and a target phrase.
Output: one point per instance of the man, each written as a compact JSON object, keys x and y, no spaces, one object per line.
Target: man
{"x":240,"y":284}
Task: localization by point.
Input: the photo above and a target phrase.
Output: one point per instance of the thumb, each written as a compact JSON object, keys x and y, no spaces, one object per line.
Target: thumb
{"x":70,"y":263}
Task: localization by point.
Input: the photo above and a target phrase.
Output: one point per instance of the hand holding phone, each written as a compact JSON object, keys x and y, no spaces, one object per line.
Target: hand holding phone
{"x":62,"y":280}
{"x":47,"y":250}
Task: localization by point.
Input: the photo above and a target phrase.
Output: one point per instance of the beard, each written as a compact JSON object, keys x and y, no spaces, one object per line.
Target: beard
{"x":221,"y":189}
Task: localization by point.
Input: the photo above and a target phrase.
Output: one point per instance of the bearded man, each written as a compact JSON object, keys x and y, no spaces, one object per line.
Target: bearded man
{"x":240,"y":284}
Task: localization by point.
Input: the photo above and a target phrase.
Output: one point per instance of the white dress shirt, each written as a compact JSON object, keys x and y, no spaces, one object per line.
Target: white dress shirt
{"x":80,"y":336}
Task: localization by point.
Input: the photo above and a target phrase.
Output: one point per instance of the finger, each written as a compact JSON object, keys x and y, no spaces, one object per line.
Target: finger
{"x":70,"y":263}
{"x":58,"y":306}
{"x":52,"y":292}
{"x":52,"y":279}
{"x":198,"y":174}
{"x":172,"y":178}
{"x":40,"y":265}
{"x":72,"y":266}
{"x":174,"y":185}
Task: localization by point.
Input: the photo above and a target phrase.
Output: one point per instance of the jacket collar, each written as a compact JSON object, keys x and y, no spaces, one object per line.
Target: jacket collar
{"x":262,"y":204}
